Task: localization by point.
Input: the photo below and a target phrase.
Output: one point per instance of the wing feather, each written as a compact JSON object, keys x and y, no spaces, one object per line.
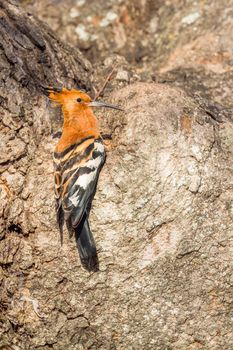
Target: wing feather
{"x":78,"y":177}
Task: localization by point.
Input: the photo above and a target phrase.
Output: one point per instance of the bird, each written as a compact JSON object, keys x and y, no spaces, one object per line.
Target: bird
{"x":78,"y":158}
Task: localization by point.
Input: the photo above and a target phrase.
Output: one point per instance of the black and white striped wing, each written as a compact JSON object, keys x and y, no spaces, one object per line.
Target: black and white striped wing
{"x":80,"y":187}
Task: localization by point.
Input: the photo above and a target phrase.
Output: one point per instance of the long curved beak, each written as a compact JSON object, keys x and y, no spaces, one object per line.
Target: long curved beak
{"x":103,"y":104}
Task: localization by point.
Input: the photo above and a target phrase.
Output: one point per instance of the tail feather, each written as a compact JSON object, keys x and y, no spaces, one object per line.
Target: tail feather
{"x":86,"y":246}
{"x":60,"y":221}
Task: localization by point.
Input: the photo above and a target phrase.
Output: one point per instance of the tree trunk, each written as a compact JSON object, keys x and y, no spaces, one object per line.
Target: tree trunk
{"x":162,"y":215}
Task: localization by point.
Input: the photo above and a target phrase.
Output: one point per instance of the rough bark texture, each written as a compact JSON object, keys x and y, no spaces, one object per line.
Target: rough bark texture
{"x":162,"y":215}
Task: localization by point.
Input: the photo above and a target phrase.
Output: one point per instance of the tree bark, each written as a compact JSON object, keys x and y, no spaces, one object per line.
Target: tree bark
{"x":162,"y":215}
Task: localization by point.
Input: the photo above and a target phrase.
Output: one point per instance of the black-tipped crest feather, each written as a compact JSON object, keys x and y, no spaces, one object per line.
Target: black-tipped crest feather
{"x":48,"y":89}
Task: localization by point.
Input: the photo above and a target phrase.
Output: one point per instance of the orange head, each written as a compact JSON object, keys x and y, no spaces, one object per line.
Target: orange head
{"x":75,"y":100}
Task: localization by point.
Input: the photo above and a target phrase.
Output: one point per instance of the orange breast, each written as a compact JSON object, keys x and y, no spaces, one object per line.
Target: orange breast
{"x":76,"y":127}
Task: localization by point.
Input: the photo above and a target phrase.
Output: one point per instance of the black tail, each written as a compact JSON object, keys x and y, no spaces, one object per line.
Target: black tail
{"x":60,"y":221}
{"x":86,"y":246}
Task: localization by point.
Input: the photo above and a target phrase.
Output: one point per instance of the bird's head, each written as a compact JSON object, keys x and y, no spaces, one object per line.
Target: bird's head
{"x":75,"y":100}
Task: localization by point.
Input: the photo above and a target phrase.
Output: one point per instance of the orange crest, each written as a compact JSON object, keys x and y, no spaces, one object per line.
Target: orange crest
{"x":64,"y":95}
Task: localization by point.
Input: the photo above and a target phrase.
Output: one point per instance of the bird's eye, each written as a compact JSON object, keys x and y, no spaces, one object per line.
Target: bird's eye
{"x":79,"y":99}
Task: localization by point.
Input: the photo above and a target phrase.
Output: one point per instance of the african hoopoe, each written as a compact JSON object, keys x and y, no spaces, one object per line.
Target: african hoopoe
{"x":78,"y":159}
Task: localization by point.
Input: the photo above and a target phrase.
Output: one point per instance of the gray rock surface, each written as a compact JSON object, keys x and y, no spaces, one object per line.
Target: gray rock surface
{"x":162,"y":219}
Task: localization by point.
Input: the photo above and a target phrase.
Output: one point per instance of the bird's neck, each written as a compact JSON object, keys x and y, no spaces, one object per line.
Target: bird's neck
{"x":77,"y":126}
